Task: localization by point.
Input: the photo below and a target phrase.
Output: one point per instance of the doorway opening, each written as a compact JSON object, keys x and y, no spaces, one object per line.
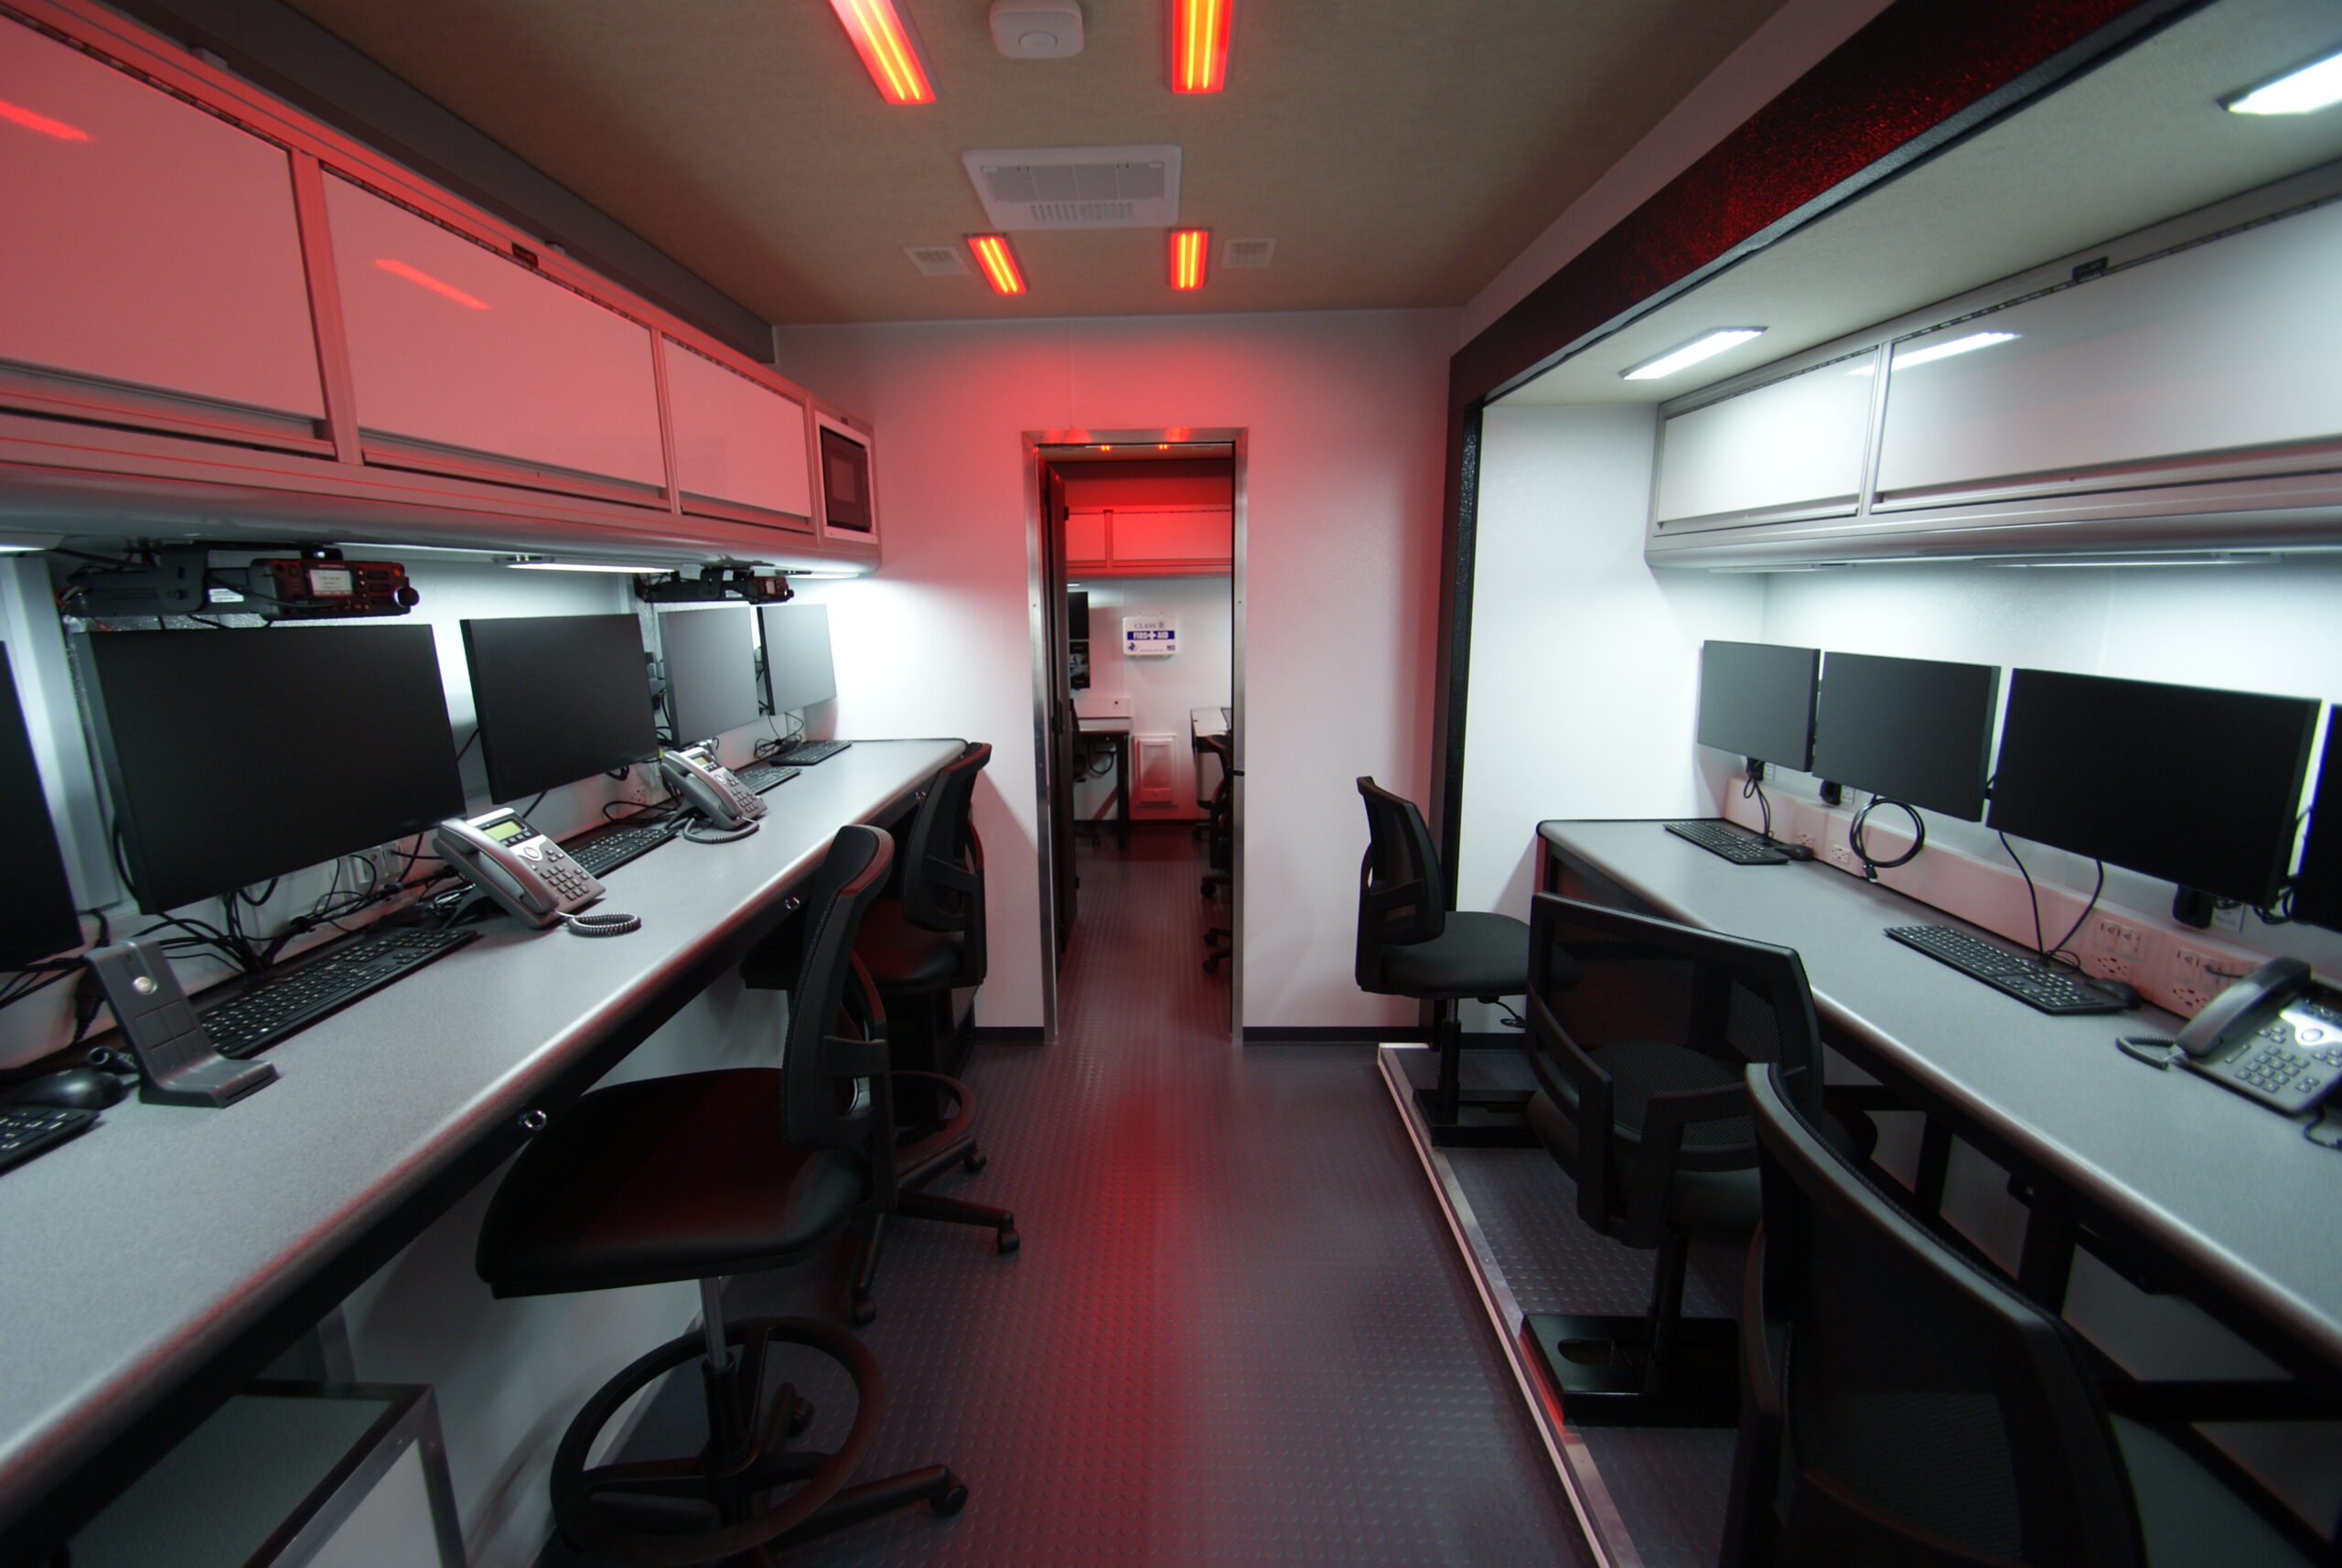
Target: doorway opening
{"x":1135,"y":544}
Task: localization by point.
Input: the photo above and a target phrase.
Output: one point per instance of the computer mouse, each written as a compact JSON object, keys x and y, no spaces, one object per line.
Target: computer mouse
{"x":75,"y":1089}
{"x":2121,"y":991}
{"x":1795,"y":850}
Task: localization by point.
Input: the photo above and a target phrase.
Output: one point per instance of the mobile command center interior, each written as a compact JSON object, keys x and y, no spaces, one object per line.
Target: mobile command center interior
{"x":1173,"y":781}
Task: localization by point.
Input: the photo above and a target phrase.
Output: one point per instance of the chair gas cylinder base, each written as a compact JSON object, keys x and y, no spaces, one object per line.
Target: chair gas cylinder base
{"x":1492,"y":1119}
{"x":1602,"y":1370}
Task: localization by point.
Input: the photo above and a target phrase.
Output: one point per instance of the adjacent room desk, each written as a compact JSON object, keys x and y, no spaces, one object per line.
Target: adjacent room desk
{"x":1114,"y":730}
{"x":153,"y":1266}
{"x":2221,"y":1200}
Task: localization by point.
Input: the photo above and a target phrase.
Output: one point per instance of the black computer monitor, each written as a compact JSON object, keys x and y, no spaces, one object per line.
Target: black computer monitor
{"x":1077,"y":615}
{"x":36,"y":917}
{"x":1757,"y":699}
{"x":2317,"y":892}
{"x":233,"y":757}
{"x":559,"y":698}
{"x":711,"y":667}
{"x":2195,"y":785}
{"x":1914,"y":730}
{"x":798,"y":670}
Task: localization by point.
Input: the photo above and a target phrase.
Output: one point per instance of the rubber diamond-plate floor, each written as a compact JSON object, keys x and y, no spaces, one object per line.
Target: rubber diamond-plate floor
{"x":1237,"y":1332}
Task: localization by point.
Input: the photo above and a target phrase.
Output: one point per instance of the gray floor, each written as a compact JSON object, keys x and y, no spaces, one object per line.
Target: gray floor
{"x":1238,"y":1330}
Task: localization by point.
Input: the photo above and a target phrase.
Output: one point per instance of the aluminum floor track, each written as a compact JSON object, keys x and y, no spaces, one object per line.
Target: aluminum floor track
{"x":1238,"y":1331}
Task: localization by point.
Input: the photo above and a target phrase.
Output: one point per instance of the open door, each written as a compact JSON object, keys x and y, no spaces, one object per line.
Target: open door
{"x":1061,"y":719}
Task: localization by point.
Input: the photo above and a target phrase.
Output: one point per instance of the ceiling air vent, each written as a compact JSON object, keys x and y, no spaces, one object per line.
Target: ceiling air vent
{"x":938,"y":260}
{"x":1247,"y":253}
{"x":1077,"y":187}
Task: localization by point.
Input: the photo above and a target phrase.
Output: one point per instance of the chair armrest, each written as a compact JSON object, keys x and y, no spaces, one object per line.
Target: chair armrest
{"x":1658,"y":1151}
{"x":1760,"y":1378}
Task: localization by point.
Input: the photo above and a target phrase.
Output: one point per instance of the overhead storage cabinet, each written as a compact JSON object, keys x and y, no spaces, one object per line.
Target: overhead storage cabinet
{"x":151,"y":249}
{"x":465,"y":361}
{"x":1792,"y":448}
{"x":737,"y":441}
{"x":1149,"y":541}
{"x":2215,"y":360}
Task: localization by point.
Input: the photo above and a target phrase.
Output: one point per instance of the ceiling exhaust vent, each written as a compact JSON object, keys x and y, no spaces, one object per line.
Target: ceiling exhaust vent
{"x":1247,"y":253}
{"x":938,"y":260}
{"x":1077,"y":187}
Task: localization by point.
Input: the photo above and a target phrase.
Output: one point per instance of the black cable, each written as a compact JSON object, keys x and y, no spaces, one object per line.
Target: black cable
{"x":2065,"y":942}
{"x":1855,"y":840}
{"x":1751,"y":785}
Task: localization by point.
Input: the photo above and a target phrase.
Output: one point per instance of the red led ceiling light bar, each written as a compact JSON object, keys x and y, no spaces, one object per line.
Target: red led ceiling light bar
{"x":1199,"y":45}
{"x":17,"y":113}
{"x":398,"y":269}
{"x":1187,"y":248}
{"x":997,"y":261}
{"x":889,"y":47}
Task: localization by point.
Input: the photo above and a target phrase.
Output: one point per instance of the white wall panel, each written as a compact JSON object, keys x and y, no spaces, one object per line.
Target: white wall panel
{"x":147,"y":241}
{"x":453,"y":344}
{"x":734,"y":440}
{"x":1796,"y":442}
{"x":2229,"y":345}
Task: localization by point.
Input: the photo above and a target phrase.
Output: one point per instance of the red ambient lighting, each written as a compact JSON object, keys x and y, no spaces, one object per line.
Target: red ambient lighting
{"x":417,"y":275}
{"x":883,"y":36}
{"x":17,"y":115}
{"x":1187,"y":248}
{"x":998,"y":262}
{"x":1199,"y":45}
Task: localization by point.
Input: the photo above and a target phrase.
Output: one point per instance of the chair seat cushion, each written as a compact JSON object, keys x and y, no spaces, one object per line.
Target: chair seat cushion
{"x":669,"y":1178}
{"x":1706,"y":1203}
{"x":1478,"y":954}
{"x":904,"y":959}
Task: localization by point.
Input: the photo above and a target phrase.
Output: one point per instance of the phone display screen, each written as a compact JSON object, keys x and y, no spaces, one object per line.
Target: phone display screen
{"x":507,"y":829}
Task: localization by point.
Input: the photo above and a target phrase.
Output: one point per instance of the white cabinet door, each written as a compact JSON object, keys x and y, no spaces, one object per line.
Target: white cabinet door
{"x":735,"y":440}
{"x":1085,"y":537}
{"x":146,"y":243}
{"x":457,"y":347}
{"x":1200,"y":535}
{"x":2225,"y":347}
{"x":1794,"y":444}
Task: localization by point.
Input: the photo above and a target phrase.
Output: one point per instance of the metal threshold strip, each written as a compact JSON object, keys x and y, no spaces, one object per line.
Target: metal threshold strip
{"x":1572,"y":1462}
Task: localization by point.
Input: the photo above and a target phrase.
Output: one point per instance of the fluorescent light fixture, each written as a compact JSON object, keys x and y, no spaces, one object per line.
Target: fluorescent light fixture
{"x":1199,"y":45}
{"x":17,"y":115}
{"x":2302,"y":90}
{"x":998,"y":262}
{"x":417,"y":276}
{"x":28,"y":544}
{"x":824,"y":576}
{"x":1967,"y":345}
{"x":889,"y":47}
{"x":1187,"y":248}
{"x":1706,"y":345}
{"x":2100,"y":562}
{"x":540,"y":563}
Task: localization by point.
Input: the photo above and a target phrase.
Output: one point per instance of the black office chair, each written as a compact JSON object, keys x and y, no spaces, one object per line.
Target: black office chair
{"x":918,"y":949}
{"x":1904,"y":1407}
{"x":698,"y":1176}
{"x":1411,"y":943}
{"x":1639,"y":1032}
{"x":1219,"y":845}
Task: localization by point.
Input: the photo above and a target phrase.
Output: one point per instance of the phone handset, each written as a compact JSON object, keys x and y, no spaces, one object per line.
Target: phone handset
{"x":2224,"y":1020}
{"x":525,"y":873}
{"x":713,"y":791}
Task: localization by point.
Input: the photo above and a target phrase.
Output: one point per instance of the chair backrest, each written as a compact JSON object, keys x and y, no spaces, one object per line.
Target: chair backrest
{"x":1630,"y":987}
{"x":1401,"y":892}
{"x":826,"y":1099}
{"x":1924,"y":1413}
{"x":943,"y":863}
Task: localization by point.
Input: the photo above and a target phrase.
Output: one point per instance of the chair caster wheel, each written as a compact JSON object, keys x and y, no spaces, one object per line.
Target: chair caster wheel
{"x":952,"y":1498}
{"x":1008,"y":1241}
{"x":864,"y":1312}
{"x":973,"y":1162}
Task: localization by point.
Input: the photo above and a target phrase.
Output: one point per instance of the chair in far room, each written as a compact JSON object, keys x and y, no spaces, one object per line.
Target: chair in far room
{"x":1412,"y":941}
{"x":1219,"y":845}
{"x":1640,"y":1033}
{"x":1903,"y":1406}
{"x":697,"y":1177}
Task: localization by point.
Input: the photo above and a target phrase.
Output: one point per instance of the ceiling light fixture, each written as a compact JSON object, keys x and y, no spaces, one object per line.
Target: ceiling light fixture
{"x":1967,"y":345}
{"x":416,"y":276}
{"x":2302,"y":90}
{"x":1199,"y":45}
{"x":998,"y":262}
{"x":889,"y":47}
{"x":1706,"y":345}
{"x":540,"y":563}
{"x":1187,"y":248}
{"x":16,"y":113}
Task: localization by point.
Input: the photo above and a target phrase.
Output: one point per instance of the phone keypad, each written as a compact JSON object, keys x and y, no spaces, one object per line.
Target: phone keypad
{"x":566,"y":877}
{"x":2291,"y":1061}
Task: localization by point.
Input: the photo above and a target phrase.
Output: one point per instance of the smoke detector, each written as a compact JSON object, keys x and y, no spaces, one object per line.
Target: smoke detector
{"x":1036,"y":29}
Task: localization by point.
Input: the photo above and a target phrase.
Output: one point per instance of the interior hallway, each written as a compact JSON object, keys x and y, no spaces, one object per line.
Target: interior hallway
{"x":1236,"y":1332}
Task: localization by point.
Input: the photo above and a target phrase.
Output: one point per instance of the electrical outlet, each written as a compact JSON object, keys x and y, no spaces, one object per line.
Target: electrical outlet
{"x":2114,"y":949}
{"x":1841,"y":854}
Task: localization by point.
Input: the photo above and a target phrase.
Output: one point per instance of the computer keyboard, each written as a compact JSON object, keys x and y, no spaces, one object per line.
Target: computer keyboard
{"x":2020,"y":975}
{"x":610,"y":848}
{"x":244,"y":1025}
{"x":29,"y":1130}
{"x":763,"y":776}
{"x":1740,"y":848}
{"x":806,"y":753}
